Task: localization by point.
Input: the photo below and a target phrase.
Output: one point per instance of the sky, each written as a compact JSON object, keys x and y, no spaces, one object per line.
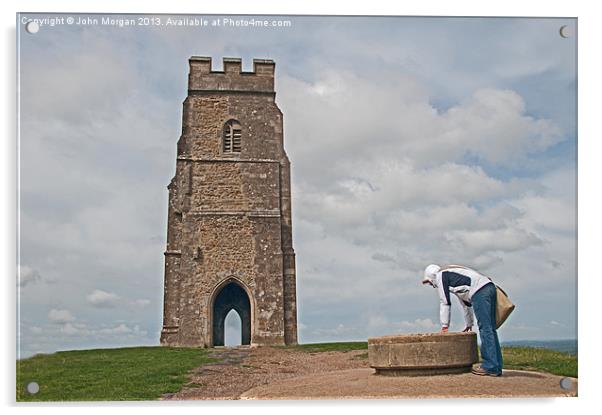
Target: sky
{"x":412,"y":141}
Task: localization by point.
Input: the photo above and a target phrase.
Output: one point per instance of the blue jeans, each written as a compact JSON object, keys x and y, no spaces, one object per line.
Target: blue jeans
{"x":484,"y":305}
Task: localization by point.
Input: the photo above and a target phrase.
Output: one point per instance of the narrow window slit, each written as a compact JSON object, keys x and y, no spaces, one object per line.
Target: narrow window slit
{"x":232,"y":137}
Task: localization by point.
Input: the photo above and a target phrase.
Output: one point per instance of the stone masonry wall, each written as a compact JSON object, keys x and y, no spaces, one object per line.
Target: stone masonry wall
{"x":229,"y":215}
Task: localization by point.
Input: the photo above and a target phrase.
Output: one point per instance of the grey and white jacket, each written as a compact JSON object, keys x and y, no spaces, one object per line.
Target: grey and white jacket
{"x":464,"y":283}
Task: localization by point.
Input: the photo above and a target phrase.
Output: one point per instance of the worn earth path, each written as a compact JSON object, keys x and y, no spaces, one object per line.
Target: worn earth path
{"x":288,"y":373}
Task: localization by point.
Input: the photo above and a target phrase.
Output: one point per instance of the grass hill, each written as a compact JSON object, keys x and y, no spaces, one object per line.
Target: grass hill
{"x":146,"y":373}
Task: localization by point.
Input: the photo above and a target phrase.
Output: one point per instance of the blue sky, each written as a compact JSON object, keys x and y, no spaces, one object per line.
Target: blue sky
{"x":412,"y":140}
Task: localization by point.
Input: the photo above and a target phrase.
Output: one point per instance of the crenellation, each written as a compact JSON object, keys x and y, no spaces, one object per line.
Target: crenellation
{"x":232,"y":65}
{"x":203,"y":78}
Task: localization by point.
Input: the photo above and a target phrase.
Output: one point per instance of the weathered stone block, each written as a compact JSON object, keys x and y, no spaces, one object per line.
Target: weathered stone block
{"x":423,"y":354}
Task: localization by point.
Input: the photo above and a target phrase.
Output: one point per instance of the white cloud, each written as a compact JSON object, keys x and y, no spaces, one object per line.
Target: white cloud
{"x":28,"y":275}
{"x":60,"y":316}
{"x":376,"y":321}
{"x":69,"y":329}
{"x":555,"y":214}
{"x":554,"y":209}
{"x":119,"y":329}
{"x":102,"y":299}
{"x":391,"y":118}
{"x":58,"y":90}
{"x":507,"y":240}
{"x":425,"y":324}
{"x":383,"y":188}
{"x":493,"y":125}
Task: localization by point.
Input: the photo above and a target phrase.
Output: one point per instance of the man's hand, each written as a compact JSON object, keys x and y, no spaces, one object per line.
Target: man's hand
{"x":467,"y":329}
{"x":444,"y":329}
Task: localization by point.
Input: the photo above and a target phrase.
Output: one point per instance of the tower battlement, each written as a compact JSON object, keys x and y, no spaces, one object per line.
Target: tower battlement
{"x":232,"y":78}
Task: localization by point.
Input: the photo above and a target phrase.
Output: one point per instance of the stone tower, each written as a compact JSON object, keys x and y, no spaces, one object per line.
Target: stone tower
{"x":229,"y":235}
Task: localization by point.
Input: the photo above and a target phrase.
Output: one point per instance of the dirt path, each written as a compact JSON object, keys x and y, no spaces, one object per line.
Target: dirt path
{"x":364,"y":384}
{"x":277,"y":373}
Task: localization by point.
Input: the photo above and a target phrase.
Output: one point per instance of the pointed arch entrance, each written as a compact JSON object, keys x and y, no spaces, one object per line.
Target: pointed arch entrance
{"x":232,"y":296}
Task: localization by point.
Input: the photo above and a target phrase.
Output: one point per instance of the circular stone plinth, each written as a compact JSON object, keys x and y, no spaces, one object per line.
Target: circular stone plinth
{"x":422,"y":354}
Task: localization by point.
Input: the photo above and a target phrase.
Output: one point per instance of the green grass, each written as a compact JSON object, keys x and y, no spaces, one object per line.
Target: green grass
{"x":521,"y":358}
{"x":541,"y":360}
{"x":137,"y":373}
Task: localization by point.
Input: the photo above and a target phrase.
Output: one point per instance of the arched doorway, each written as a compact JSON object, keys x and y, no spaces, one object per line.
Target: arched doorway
{"x":231,"y":297}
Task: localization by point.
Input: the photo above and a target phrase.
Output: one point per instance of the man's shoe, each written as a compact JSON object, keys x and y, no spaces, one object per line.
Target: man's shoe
{"x":482,"y":372}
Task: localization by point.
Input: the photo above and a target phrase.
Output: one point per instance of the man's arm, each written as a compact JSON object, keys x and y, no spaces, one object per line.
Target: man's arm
{"x":468,"y":316}
{"x":445,"y":306}
{"x":444,"y":316}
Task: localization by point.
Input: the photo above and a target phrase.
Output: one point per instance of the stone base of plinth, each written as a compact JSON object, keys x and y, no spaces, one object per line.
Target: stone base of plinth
{"x":424,"y":371}
{"x":423,"y":354}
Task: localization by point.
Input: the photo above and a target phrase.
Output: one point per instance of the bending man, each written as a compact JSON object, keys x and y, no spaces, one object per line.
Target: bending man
{"x":475,"y":291}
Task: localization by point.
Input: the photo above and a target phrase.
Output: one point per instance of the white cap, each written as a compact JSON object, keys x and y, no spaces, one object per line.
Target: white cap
{"x":430,"y":273}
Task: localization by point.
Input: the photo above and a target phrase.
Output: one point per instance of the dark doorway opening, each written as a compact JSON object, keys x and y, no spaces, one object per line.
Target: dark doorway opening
{"x":231,"y":297}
